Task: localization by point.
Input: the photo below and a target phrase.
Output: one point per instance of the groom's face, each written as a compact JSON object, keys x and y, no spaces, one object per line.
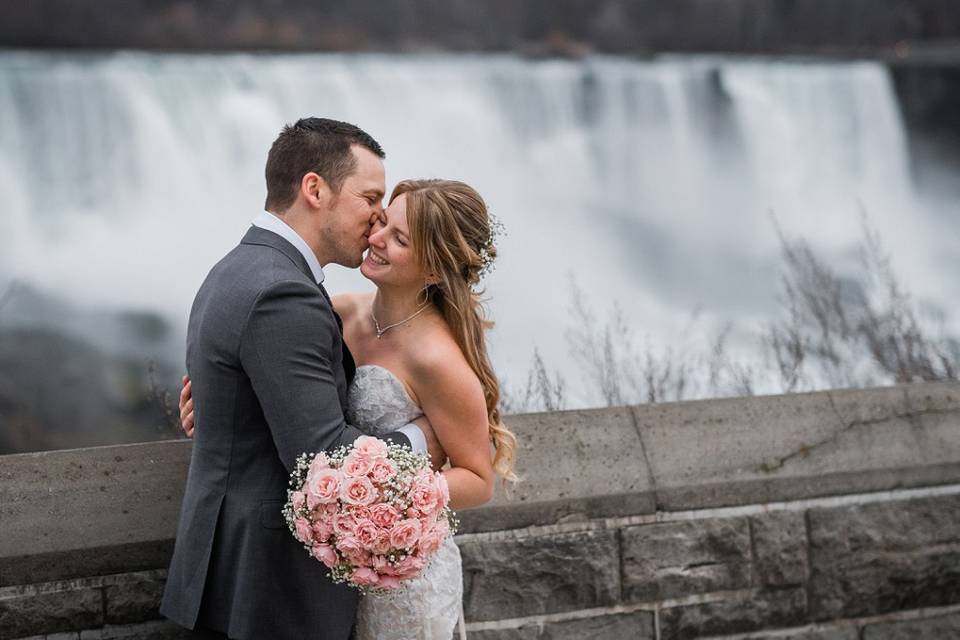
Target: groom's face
{"x":354,"y":209}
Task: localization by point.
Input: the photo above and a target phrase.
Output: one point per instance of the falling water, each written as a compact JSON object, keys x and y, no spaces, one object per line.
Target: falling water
{"x":125,"y":176}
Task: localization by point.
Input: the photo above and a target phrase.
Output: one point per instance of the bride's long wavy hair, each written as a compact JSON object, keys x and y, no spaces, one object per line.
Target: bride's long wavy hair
{"x":449,"y":227}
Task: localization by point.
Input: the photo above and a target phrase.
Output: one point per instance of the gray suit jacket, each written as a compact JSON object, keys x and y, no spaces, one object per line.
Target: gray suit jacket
{"x":264,"y":354}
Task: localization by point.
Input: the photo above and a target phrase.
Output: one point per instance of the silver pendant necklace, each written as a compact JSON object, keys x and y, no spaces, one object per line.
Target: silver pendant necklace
{"x":380,"y":331}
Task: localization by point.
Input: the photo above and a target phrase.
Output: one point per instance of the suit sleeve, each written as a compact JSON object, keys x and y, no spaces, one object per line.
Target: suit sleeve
{"x":286,"y":348}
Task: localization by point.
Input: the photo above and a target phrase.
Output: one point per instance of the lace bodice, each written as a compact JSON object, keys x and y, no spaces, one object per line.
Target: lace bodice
{"x":427,"y":608}
{"x":378,"y":403}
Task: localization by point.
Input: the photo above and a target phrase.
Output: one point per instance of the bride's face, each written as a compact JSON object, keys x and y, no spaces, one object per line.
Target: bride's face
{"x":390,"y":258}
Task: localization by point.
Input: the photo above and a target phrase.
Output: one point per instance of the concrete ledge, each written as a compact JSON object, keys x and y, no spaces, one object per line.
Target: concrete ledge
{"x":115,"y":509}
{"x":715,"y":453}
{"x":574,"y":465}
{"x":118,"y":506}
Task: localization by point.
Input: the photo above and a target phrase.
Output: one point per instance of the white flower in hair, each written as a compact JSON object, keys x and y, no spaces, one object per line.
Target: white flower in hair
{"x":487,"y":252}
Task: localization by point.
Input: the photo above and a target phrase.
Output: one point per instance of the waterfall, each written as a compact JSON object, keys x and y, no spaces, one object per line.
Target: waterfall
{"x":125,"y":176}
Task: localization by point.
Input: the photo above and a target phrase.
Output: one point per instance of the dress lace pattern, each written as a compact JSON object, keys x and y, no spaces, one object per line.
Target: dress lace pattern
{"x":428,"y":608}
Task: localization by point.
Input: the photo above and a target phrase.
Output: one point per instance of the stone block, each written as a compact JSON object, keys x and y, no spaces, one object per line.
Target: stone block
{"x":846,"y":632}
{"x":528,"y":632}
{"x":675,"y":559}
{"x":575,"y":465}
{"x":883,"y":557}
{"x":760,"y":610}
{"x":735,"y":451}
{"x":780,"y":548}
{"x":133,"y":601}
{"x":32,"y":612}
{"x":937,"y":628}
{"x":512,"y":577}
{"x":624,"y":626}
{"x":156,"y":630}
{"x":93,"y":561}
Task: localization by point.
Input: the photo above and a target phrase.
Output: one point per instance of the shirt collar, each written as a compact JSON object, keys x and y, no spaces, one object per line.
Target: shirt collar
{"x":270,"y":222}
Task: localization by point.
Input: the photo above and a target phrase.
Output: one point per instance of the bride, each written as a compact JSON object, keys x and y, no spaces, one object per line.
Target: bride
{"x":419,"y":345}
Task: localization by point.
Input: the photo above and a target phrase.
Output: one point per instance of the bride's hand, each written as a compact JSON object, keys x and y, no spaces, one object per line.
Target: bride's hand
{"x":438,"y":457}
{"x":186,"y":408}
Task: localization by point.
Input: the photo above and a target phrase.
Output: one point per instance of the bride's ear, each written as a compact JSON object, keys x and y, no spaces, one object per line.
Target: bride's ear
{"x":315,"y":190}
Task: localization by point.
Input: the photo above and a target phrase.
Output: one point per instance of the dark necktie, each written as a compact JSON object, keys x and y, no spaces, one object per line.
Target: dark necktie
{"x":349,"y":366}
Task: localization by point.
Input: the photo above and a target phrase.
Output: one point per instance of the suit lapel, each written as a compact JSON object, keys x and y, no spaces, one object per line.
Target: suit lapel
{"x":263,"y":237}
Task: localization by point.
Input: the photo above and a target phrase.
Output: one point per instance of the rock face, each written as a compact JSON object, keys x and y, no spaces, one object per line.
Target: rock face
{"x":749,"y":612}
{"x":542,"y":574}
{"x":675,"y":559}
{"x":884,"y":557}
{"x":936,"y":628}
{"x":780,"y":548}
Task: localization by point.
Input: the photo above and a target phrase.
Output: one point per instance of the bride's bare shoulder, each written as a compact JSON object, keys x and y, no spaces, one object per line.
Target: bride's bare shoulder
{"x":351,"y":305}
{"x":436,"y":352}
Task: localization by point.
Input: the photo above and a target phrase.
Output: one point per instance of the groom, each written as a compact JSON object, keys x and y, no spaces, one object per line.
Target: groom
{"x":269,"y":372}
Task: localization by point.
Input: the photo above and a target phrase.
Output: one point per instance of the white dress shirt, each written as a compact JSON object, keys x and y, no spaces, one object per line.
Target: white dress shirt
{"x":270,"y":222}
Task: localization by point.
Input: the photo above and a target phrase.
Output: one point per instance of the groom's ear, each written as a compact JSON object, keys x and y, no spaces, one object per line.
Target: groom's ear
{"x":315,"y":190}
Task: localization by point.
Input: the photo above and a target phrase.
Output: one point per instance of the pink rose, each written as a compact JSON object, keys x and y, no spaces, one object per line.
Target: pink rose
{"x":370,"y":448}
{"x":383,"y":542}
{"x":361,"y":513}
{"x":349,"y":545}
{"x":365,"y":576}
{"x":319,"y":462}
{"x":367,"y":533}
{"x":409,"y":567}
{"x":384,"y":515}
{"x":382,"y":470}
{"x":303,"y":531}
{"x":324,"y":485}
{"x":430,"y":542}
{"x":360,"y":558}
{"x":389,"y":582}
{"x":379,"y":563}
{"x":325,"y":554}
{"x":359,"y":491}
{"x":322,"y":530}
{"x":344,"y":524}
{"x":298,"y":498}
{"x":443,"y":492}
{"x":355,"y":465}
{"x":424,"y":496}
{"x":424,"y":476}
{"x":313,"y":502}
{"x":405,"y":533}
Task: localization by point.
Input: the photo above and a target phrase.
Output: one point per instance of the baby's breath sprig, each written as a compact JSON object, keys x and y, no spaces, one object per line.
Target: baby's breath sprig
{"x":486,"y":252}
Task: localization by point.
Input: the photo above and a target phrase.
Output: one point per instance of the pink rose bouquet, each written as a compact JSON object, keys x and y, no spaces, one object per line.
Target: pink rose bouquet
{"x":373,"y":513}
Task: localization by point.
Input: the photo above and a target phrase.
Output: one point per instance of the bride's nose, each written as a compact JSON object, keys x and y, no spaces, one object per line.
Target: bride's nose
{"x":376,"y":236}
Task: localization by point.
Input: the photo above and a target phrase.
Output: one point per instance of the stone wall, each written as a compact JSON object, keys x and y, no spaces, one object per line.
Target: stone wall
{"x":849,"y":27}
{"x":829,"y":515}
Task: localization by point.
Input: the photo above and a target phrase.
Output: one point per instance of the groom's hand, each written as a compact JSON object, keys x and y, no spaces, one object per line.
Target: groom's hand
{"x":438,"y":457}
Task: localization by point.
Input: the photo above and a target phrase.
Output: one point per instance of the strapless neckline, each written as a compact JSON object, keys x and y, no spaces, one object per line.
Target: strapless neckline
{"x":393,"y":378}
{"x":378,"y":402}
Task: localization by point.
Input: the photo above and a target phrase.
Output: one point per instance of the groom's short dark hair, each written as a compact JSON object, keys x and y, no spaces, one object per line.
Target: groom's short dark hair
{"x":319,"y":145}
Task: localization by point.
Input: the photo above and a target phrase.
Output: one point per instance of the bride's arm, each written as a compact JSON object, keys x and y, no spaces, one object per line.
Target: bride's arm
{"x":451,"y":396}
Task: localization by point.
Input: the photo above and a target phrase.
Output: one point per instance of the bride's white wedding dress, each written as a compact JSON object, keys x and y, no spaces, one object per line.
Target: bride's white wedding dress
{"x":429,"y":607}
